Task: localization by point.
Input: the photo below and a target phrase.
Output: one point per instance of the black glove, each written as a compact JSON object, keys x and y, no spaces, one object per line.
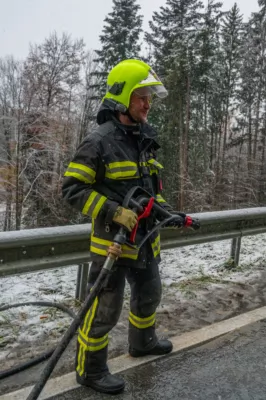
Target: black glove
{"x":177,"y":222}
{"x":183,"y":220}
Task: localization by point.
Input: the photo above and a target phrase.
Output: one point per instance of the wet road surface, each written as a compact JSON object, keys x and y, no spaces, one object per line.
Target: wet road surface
{"x":232,"y":367}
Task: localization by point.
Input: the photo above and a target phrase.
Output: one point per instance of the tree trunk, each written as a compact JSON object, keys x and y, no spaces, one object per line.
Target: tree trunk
{"x":181,"y":157}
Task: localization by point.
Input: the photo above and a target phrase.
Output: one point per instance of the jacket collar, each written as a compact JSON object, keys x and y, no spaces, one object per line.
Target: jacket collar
{"x":142,"y":131}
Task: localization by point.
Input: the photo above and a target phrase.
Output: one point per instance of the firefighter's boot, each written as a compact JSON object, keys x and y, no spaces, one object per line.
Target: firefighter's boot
{"x":162,"y":347}
{"x":108,"y":383}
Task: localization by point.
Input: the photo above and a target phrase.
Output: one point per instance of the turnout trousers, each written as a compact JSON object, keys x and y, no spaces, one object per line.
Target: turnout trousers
{"x":92,"y":346}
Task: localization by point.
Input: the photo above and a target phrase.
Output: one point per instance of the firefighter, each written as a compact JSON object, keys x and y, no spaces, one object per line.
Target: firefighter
{"x":118,"y":154}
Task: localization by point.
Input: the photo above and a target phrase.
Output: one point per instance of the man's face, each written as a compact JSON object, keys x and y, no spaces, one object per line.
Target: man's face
{"x":140,"y":104}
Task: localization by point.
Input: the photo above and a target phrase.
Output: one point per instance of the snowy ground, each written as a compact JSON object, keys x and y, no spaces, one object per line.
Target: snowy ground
{"x":198,"y":289}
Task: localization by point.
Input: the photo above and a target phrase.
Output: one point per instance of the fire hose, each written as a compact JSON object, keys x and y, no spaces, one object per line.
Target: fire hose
{"x":140,"y":201}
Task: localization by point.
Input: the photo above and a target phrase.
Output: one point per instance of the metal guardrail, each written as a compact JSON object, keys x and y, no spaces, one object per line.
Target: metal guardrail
{"x":45,"y":248}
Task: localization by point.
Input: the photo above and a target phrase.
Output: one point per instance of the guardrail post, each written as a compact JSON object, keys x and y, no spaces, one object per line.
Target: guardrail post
{"x":78,"y":282}
{"x":235,"y":250}
{"x":82,"y":281}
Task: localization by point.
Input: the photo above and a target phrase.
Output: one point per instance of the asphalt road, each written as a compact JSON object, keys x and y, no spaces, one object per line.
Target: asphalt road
{"x":232,"y":367}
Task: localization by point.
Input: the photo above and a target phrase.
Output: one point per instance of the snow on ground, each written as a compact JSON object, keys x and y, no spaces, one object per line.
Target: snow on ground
{"x":209,"y":258}
{"x":179,"y":269}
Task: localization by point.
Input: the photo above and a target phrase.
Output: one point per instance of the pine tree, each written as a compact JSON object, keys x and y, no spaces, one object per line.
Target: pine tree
{"x":174,"y":25}
{"x":252,"y":97}
{"x":206,"y":70}
{"x":119,"y":39}
{"x":232,"y":40}
{"x":174,"y":32}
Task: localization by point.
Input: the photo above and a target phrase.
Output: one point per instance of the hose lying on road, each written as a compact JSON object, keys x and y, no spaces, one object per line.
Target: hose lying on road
{"x":43,"y":356}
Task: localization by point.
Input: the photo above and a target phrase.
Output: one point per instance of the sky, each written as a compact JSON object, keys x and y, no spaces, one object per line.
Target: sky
{"x":31,"y":21}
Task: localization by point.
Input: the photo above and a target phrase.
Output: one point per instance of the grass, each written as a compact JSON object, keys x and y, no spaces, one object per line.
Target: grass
{"x":197,"y":282}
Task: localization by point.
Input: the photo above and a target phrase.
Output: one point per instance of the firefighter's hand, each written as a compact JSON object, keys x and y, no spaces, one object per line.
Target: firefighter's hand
{"x":183,"y":220}
{"x":195,"y":224}
{"x":125,"y":217}
{"x":115,"y":251}
{"x":177,"y":222}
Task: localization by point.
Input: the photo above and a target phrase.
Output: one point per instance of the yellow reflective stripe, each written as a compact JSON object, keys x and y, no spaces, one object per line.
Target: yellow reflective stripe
{"x":156,"y":241}
{"x":131,"y":256}
{"x":122,"y":174}
{"x":81,"y":356}
{"x":122,"y":169}
{"x":93,"y":340}
{"x":77,"y":176}
{"x":151,"y":163}
{"x":92,"y":344}
{"x":86,"y":328}
{"x":155,"y":163}
{"x":81,"y":172}
{"x":98,"y":206}
{"x":84,"y":168}
{"x":141,"y":326}
{"x":103,"y":242}
{"x":100,"y":246}
{"x":94,"y":204}
{"x":156,"y":246}
{"x":144,"y":319}
{"x":99,"y":347}
{"x":101,"y":252}
{"x":89,"y":318}
{"x":141,"y":323}
{"x":156,"y":251}
{"x":121,"y":164}
{"x":160,"y":199}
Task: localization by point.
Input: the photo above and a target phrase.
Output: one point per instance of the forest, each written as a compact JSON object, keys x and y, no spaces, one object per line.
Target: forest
{"x":211,"y":127}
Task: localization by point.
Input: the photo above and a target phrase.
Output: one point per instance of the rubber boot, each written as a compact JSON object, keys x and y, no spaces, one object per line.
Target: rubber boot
{"x":162,"y":347}
{"x":94,"y":372}
{"x":111,"y":384}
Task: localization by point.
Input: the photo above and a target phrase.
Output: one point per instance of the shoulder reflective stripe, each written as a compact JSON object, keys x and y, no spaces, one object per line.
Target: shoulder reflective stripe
{"x":155,"y":163}
{"x":141,"y":323}
{"x":160,"y":199}
{"x":94,"y":204}
{"x":81,"y":170}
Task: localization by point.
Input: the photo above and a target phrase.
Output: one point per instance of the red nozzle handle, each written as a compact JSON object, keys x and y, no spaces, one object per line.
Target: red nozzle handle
{"x":145,"y":214}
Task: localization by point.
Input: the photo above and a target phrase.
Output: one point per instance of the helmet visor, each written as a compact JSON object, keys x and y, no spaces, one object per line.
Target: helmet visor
{"x":151,"y":91}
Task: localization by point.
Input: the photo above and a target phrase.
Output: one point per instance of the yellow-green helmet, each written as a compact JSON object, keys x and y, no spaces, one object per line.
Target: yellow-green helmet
{"x":128,"y":76}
